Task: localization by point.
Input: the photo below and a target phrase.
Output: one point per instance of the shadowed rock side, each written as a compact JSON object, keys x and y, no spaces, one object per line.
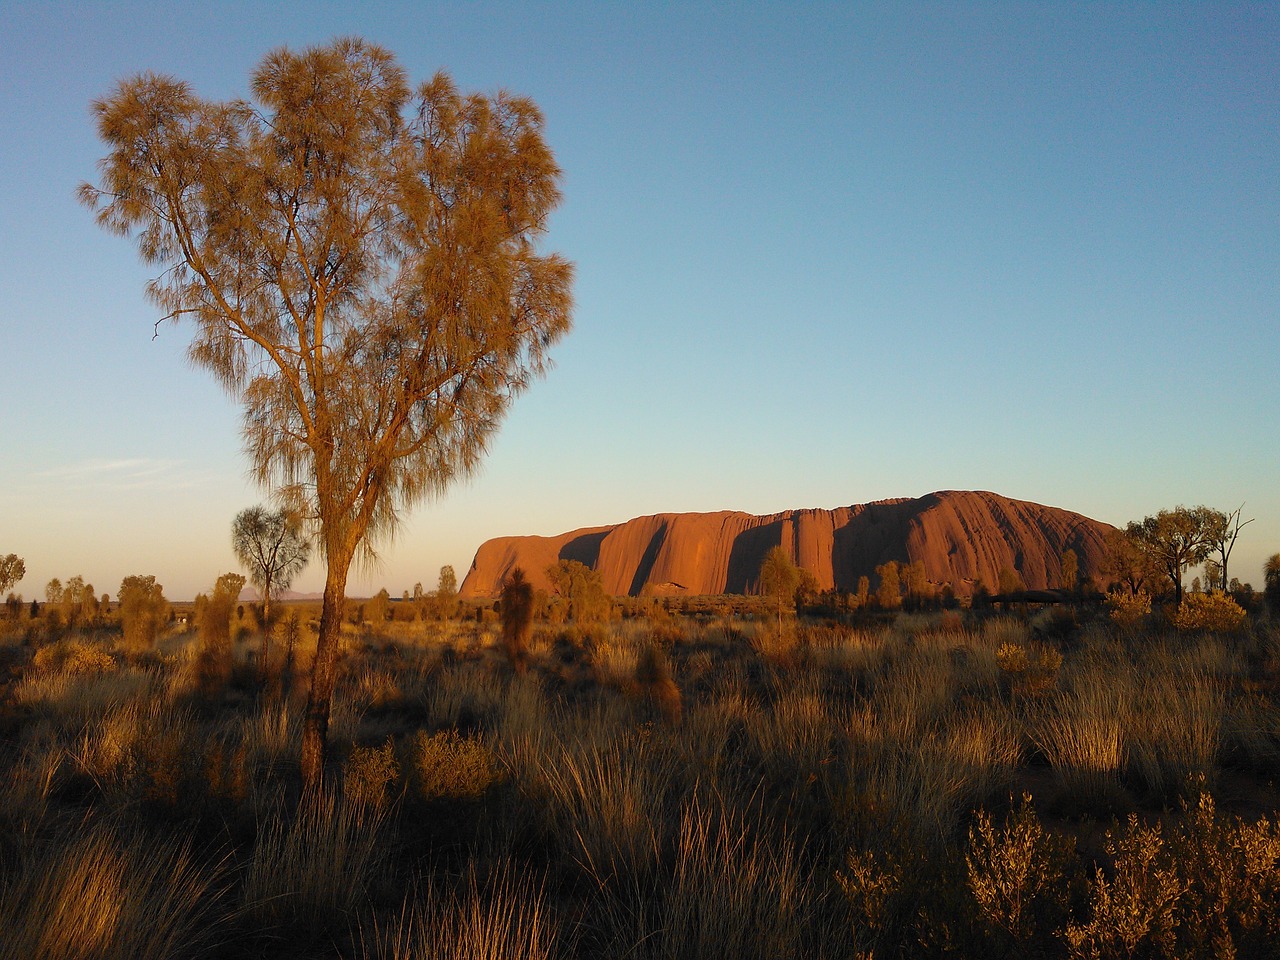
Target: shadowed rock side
{"x":960,"y":536}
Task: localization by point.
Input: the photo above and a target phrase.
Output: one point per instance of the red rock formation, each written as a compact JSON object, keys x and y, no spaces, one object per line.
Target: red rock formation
{"x":961,"y":537}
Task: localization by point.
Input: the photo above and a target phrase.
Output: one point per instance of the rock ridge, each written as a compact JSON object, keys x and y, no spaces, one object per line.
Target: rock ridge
{"x":961,"y":537}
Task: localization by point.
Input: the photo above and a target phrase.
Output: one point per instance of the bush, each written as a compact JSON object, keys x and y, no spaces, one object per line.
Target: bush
{"x":370,"y":770}
{"x":1127,"y":610}
{"x":449,"y":766}
{"x":1215,"y":612}
{"x":74,"y":656}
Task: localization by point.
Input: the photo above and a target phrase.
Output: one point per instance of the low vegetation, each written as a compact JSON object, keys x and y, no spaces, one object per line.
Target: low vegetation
{"x":708,"y":782}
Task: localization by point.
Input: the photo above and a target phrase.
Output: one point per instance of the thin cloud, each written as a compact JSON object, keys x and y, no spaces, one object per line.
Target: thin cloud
{"x":138,"y":473}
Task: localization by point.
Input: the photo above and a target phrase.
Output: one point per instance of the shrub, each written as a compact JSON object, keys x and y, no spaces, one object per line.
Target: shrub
{"x":449,"y":766}
{"x":1134,"y":911}
{"x":1127,"y":610}
{"x":74,"y":656}
{"x":1017,"y":875}
{"x":1214,"y":612}
{"x":370,"y":770}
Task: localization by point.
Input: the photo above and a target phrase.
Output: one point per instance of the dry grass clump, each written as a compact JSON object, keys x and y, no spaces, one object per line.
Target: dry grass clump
{"x":103,"y":894}
{"x":504,"y":917}
{"x":311,"y":868}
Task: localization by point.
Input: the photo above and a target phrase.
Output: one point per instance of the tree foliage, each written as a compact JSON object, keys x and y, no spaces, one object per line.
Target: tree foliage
{"x":359,"y":261}
{"x":274,"y":548}
{"x":143,"y":610}
{"x":779,"y":576}
{"x":583,"y":590}
{"x":1173,"y":540}
{"x":1271,"y":588}
{"x":515,"y":604}
{"x":12,"y":569}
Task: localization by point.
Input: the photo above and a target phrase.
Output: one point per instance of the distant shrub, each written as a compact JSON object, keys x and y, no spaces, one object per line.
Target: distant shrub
{"x":1215,"y":612}
{"x":1127,"y":610}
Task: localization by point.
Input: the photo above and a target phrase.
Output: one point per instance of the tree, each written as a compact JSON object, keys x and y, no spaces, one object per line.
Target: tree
{"x":1223,"y":530}
{"x":779,"y":576}
{"x":515,"y":604}
{"x":12,"y":570}
{"x":779,"y":579}
{"x":143,"y":609}
{"x":214,"y":660}
{"x":447,"y":593}
{"x":378,"y":607}
{"x":274,"y":548}
{"x":360,"y":265}
{"x":1126,"y":562}
{"x":889,"y":593}
{"x":1175,"y":540}
{"x":581,"y":588}
{"x":1271,"y":588}
{"x":1069,"y":571}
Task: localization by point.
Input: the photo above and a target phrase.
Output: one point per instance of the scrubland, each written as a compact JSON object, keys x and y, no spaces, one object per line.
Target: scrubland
{"x":1020,"y":784}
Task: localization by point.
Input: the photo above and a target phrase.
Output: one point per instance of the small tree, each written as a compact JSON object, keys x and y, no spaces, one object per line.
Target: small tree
{"x":582,"y":590}
{"x":1271,"y":588}
{"x":143,"y":610}
{"x":214,"y":662}
{"x":1223,"y":529}
{"x":516,"y":605}
{"x":889,"y":593}
{"x":1069,"y":571}
{"x":447,"y":593}
{"x":12,"y":570}
{"x":779,"y":579}
{"x":274,"y":548}
{"x":378,"y":607}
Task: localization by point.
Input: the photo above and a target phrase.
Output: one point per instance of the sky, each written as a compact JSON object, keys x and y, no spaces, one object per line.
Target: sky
{"x":825,"y":254}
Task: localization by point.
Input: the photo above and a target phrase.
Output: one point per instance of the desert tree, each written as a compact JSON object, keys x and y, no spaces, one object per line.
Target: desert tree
{"x":1174,"y":540}
{"x":1069,"y":571}
{"x":143,"y":609}
{"x":582,"y":590}
{"x":1271,"y":581}
{"x":515,"y":605}
{"x":1223,"y":531}
{"x":779,"y":579}
{"x":359,"y":261}
{"x":889,"y":593}
{"x":12,"y":570}
{"x":273,"y":546}
{"x":214,"y":660}
{"x":447,"y":593}
{"x":1126,"y":563}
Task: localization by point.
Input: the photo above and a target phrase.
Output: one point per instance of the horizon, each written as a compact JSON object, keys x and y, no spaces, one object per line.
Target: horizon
{"x":824,"y":257}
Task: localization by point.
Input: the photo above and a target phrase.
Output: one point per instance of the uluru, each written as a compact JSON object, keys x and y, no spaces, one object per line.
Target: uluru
{"x":963,"y":538}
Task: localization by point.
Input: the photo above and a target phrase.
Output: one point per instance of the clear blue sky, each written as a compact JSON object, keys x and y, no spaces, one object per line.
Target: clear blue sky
{"x":826,"y":254}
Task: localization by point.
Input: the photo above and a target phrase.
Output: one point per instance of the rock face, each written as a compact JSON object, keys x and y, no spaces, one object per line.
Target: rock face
{"x":961,"y":537}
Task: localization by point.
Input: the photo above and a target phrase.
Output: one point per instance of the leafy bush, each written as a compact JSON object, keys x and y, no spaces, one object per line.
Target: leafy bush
{"x":370,"y":771}
{"x":1127,"y":610}
{"x":74,"y":656}
{"x":1214,"y":612}
{"x":449,"y":766}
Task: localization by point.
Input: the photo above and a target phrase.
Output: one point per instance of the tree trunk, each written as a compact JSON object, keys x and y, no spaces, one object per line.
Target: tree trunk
{"x":315,"y":725}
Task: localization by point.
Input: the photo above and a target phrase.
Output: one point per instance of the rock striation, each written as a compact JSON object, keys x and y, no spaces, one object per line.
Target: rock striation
{"x":961,"y":537}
